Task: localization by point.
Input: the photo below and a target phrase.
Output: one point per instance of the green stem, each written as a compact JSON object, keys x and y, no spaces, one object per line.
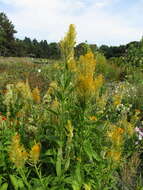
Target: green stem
{"x":39,"y":175}
{"x":22,"y":173}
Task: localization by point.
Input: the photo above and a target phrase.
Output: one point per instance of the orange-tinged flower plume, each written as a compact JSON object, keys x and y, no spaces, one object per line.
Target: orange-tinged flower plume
{"x":35,"y":153}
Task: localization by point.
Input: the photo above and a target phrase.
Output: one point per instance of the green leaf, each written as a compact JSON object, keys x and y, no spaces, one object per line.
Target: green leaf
{"x":96,"y":156}
{"x":0,"y":180}
{"x":39,"y":188}
{"x":77,"y":178}
{"x":88,"y":149}
{"x":20,"y":184}
{"x":90,"y":152}
{"x":76,"y":185}
{"x":59,"y":95}
{"x":59,"y":162}
{"x":49,"y":152}
{"x":67,"y":164}
{"x":4,"y":186}
{"x":14,"y":182}
{"x":52,"y":111}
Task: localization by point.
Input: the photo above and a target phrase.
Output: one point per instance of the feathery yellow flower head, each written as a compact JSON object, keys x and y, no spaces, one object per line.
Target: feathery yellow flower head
{"x":117,"y":100}
{"x":36,"y":95}
{"x":114,"y":155}
{"x":67,"y":47}
{"x":68,"y":43}
{"x":93,"y":118}
{"x":87,"y":64}
{"x":87,"y":85}
{"x":17,"y":153}
{"x":35,"y":153}
{"x":24,"y":90}
{"x":116,"y":136}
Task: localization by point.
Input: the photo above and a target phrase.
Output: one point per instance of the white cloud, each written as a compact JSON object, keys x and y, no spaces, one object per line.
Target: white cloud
{"x":49,"y":19}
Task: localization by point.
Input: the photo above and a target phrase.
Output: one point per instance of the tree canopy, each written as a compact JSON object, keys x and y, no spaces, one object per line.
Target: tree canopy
{"x":11,"y":46}
{"x":7,"y":32}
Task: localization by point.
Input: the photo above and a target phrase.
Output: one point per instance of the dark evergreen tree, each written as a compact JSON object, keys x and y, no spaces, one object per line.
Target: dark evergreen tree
{"x":7,"y":41}
{"x":54,"y":51}
{"x":81,"y":49}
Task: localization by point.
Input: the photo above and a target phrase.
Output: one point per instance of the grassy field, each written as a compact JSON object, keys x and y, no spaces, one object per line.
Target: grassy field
{"x":13,"y":70}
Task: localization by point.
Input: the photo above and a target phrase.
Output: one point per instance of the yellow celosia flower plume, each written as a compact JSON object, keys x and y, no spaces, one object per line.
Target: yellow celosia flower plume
{"x":24,"y":90}
{"x":67,"y":46}
{"x":87,"y":64}
{"x":114,"y":155}
{"x":116,"y":136}
{"x":36,"y":95}
{"x":87,"y":85}
{"x":35,"y":153}
{"x":117,"y":99}
{"x":17,"y":153}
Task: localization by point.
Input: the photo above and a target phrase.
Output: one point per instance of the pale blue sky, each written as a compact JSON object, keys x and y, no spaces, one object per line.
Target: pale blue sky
{"x":111,"y":22}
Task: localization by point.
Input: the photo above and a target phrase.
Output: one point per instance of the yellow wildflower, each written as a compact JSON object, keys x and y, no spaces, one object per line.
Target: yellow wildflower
{"x":117,"y":100}
{"x":116,"y":136}
{"x":67,"y":44}
{"x":35,"y":153}
{"x":36,"y":95}
{"x":114,"y":155}
{"x":17,"y":154}
{"x":24,"y":90}
{"x":87,"y":64}
{"x":93,"y":118}
{"x":72,"y":65}
{"x":87,"y":85}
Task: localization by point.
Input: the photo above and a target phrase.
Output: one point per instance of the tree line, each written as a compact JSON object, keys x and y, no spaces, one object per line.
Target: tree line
{"x":11,"y":46}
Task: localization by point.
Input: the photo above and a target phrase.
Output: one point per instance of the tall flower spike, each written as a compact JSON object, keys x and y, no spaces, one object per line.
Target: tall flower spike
{"x":87,"y":85}
{"x":35,"y":153}
{"x":67,"y":45}
{"x":36,"y":95}
{"x":24,"y":90}
{"x":17,"y":154}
